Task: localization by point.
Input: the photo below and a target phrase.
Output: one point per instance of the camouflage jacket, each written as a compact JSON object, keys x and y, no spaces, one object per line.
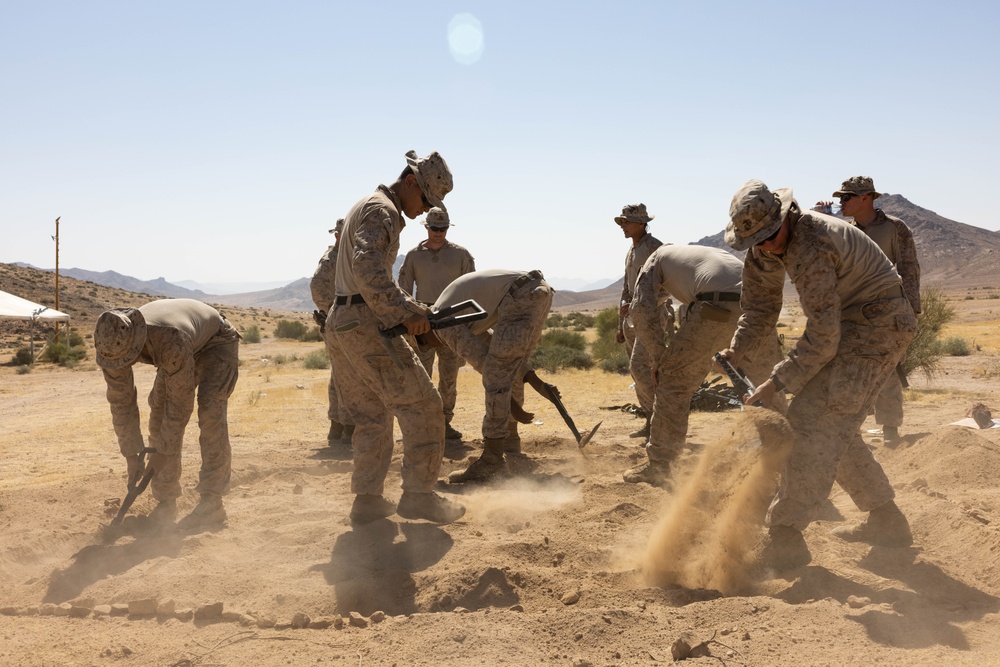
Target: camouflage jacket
{"x":896,"y":241}
{"x":637,"y":255}
{"x":368,"y":247}
{"x":834,"y":266}
{"x":323,"y":285}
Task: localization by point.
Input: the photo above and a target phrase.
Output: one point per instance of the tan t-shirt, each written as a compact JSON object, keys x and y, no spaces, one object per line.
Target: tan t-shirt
{"x":433,"y":270}
{"x":488,"y":288}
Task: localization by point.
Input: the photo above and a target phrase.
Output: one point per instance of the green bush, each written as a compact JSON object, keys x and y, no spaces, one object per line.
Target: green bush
{"x":606,"y":322}
{"x":63,"y":354}
{"x":23,"y":370}
{"x":290,"y":329}
{"x":312,"y":335}
{"x":925,"y":349}
{"x":613,"y":356}
{"x":252,"y":334}
{"x":560,"y":338}
{"x":316,"y":359}
{"x":954,"y":346}
{"x":554,"y":357}
{"x":23,"y":357}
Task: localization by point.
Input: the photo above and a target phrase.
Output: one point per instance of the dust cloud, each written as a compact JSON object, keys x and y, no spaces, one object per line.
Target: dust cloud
{"x":708,"y":535}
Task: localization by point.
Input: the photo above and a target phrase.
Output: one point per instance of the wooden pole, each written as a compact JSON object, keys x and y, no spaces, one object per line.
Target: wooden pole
{"x":57,"y":275}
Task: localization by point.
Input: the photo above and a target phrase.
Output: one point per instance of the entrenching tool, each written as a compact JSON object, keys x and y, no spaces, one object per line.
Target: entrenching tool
{"x":135,"y":488}
{"x":740,"y":381}
{"x":551,"y":393}
{"x":441,"y":319}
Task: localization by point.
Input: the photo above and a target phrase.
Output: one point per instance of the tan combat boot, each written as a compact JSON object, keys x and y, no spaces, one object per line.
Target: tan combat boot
{"x":512,"y":443}
{"x":208,"y":512}
{"x":450,"y":432}
{"x":489,"y":465}
{"x":785,"y":549}
{"x":369,"y":507}
{"x":884,"y":526}
{"x":335,"y":433}
{"x":656,"y":473}
{"x":429,"y":506}
{"x":642,"y":432}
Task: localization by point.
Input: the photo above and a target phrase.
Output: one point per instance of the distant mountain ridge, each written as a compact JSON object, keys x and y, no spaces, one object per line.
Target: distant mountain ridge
{"x":950,"y":252}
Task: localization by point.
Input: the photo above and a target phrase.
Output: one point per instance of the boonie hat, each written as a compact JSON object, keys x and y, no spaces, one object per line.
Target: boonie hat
{"x":433,"y":176}
{"x":755,"y":213}
{"x":634,"y":213}
{"x":858,"y":185}
{"x":119,"y":336}
{"x":339,"y":227}
{"x":437,"y":217}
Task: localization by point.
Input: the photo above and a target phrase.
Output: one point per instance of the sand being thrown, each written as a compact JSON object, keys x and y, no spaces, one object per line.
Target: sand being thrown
{"x":711,"y":526}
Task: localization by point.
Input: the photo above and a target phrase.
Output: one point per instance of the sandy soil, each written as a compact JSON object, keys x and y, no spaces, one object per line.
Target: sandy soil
{"x":554,"y":567}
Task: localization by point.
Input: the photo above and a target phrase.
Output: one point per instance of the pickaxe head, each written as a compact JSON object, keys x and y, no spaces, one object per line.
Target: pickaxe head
{"x":585,"y":439}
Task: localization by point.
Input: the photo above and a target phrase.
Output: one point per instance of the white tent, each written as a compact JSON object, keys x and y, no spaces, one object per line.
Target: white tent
{"x":15,"y":308}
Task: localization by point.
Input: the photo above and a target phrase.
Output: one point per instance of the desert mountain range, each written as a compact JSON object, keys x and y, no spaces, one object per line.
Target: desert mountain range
{"x":951,"y":253}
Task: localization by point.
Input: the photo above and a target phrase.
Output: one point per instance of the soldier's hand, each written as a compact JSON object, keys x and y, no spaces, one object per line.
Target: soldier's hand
{"x":764,"y":393}
{"x":417,"y":324}
{"x":823,"y":206}
{"x":732,"y":356}
{"x":620,"y":337}
{"x":623,"y":310}
{"x":134,"y":468}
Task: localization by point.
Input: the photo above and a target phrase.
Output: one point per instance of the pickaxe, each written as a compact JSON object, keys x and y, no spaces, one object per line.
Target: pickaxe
{"x":441,"y":319}
{"x":136,"y":486}
{"x":551,"y":393}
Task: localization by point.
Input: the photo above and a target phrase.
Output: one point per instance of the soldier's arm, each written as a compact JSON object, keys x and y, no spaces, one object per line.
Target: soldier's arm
{"x":761,"y":298}
{"x":646,"y":314}
{"x":372,"y":270}
{"x":908,"y":266}
{"x":123,"y":400}
{"x":176,"y":370}
{"x":321,"y":287}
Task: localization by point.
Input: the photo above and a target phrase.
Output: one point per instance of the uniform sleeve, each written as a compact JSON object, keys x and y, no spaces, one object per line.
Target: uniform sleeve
{"x":817,"y":288}
{"x":626,"y":297}
{"x":406,"y":274}
{"x":469,"y":265}
{"x":908,"y":266}
{"x":323,"y":283}
{"x":646,"y":312}
{"x":760,"y":299}
{"x":372,"y":270}
{"x":124,"y":409}
{"x":175,"y":371}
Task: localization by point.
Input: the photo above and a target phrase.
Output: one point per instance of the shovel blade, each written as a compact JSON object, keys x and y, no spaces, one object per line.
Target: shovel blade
{"x":585,"y":439}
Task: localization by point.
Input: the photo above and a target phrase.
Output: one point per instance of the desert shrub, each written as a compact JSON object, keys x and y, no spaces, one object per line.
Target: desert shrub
{"x":23,"y":357}
{"x":561,"y":349}
{"x":280,"y":359}
{"x":613,"y":356}
{"x":290,"y":329}
{"x":252,"y":334}
{"x":555,"y":320}
{"x":606,"y":322}
{"x":63,"y":354}
{"x":925,"y":349}
{"x":954,"y":346}
{"x":316,"y":359}
{"x":23,"y":370}
{"x":559,"y":338}
{"x":312,"y":335}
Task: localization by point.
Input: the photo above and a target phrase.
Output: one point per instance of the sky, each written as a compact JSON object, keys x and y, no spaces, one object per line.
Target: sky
{"x":219,"y":141}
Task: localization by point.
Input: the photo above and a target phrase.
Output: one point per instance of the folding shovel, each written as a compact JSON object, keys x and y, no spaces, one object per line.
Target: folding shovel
{"x":550,"y":393}
{"x":441,"y":319}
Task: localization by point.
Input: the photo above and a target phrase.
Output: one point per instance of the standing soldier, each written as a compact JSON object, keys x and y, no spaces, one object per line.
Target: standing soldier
{"x":193,"y":348}
{"x":324,"y":290}
{"x":634,"y":222}
{"x":857,"y":199}
{"x":858,"y":324}
{"x":518,"y":304}
{"x":708,"y":281}
{"x":432,"y":265}
{"x":384,"y":375}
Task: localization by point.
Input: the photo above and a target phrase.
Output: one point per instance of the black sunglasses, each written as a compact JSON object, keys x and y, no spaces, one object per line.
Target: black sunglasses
{"x":437,"y":229}
{"x":771,"y":237}
{"x":846,"y":198}
{"x":423,"y":200}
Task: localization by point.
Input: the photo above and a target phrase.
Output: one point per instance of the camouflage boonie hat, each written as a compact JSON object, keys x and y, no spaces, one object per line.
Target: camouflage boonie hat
{"x":437,"y":217}
{"x":339,"y":227}
{"x":433,"y":176}
{"x":858,"y":185}
{"x":634,"y":213}
{"x":755,"y":213}
{"x":119,"y":336}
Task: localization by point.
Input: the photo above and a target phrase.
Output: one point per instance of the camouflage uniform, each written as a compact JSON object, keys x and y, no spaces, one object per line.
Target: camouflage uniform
{"x":858,"y":326}
{"x":379,"y":388}
{"x":518,"y":304}
{"x":432,"y":270}
{"x":708,"y":280}
{"x":193,"y":348}
{"x":896,"y":240}
{"x":323,"y":289}
{"x":640,"y":362}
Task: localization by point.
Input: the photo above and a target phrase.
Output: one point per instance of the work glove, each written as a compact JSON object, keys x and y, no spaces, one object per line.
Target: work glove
{"x":319,"y":317}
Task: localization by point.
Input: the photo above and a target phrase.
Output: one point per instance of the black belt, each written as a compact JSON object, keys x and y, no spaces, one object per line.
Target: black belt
{"x":348,"y":300}
{"x":526,"y":278}
{"x":717,"y":296}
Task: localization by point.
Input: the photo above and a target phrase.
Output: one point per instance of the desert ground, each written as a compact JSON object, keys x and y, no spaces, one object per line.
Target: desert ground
{"x":562,"y":564}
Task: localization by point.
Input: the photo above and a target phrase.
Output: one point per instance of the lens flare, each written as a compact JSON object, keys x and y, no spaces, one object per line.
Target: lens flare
{"x":465,"y":38}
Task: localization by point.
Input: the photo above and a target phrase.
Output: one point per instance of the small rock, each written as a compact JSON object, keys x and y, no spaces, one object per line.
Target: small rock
{"x":47,"y":609}
{"x":209,"y":612}
{"x":300,"y":620}
{"x":377,"y":616}
{"x":570,"y":598}
{"x":680,"y":650}
{"x":119,"y":609}
{"x":460,"y":610}
{"x":357,"y":620}
{"x":578,"y":636}
{"x":102,"y":610}
{"x":338,"y":622}
{"x":84,"y":602}
{"x":29,"y":611}
{"x":320,"y":624}
{"x":126,"y":650}
{"x":517,"y":607}
{"x":582,"y":662}
{"x":745,"y":637}
{"x":297,"y":490}
{"x":79,"y":612}
{"x":641,"y":604}
{"x":146,"y":607}
{"x":247,"y":620}
{"x":231,"y":616}
{"x":166,"y":608}
{"x":445,"y":601}
{"x":184,"y":615}
{"x":63,"y":609}
{"x":266,"y":621}
{"x":8,"y":611}
{"x":856,"y":602}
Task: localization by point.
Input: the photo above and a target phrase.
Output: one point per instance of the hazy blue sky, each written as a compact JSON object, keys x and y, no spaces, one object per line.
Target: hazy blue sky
{"x":219,"y":141}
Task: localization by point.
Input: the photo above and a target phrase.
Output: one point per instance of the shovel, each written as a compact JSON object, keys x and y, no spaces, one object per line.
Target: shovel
{"x":441,"y":319}
{"x":550,"y":393}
